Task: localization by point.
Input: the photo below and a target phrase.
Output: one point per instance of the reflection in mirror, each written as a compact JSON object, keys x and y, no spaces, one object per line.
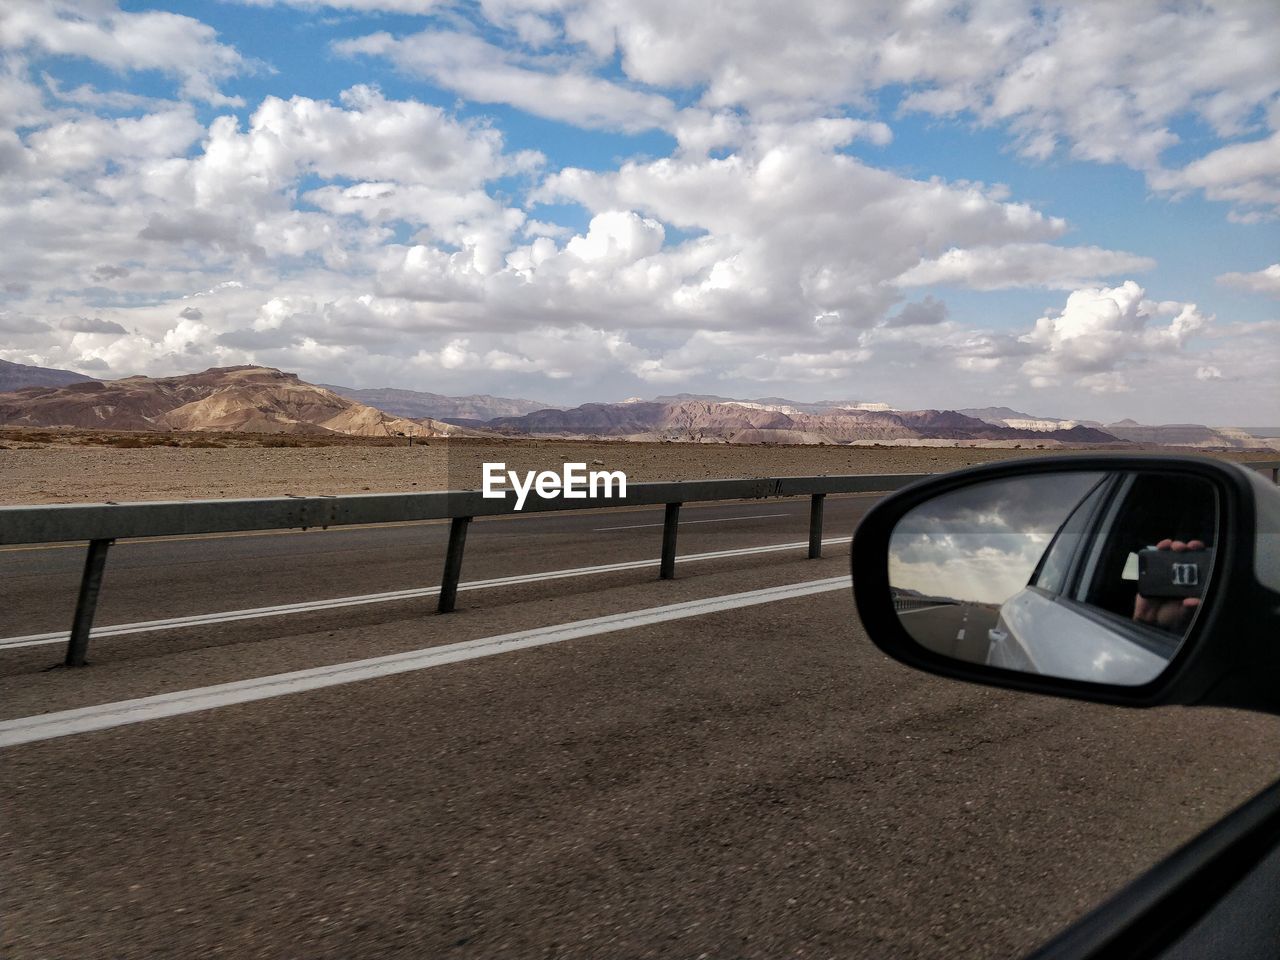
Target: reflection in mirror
{"x":1084,"y":575}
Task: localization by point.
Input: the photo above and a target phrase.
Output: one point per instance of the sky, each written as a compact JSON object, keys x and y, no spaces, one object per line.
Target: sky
{"x":1068,"y":209}
{"x":982,"y":543}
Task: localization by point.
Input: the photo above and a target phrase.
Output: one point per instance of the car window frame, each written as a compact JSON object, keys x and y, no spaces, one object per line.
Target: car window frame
{"x":1106,"y":485}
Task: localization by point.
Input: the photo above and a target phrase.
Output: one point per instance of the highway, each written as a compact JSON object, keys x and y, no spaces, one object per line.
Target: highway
{"x":599,"y":765}
{"x":957,"y":630}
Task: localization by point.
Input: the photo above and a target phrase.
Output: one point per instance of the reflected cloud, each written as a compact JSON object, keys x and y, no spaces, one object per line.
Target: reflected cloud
{"x":981,"y":543}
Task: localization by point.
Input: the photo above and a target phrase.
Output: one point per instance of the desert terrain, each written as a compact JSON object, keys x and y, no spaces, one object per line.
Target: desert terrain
{"x":78,"y":466}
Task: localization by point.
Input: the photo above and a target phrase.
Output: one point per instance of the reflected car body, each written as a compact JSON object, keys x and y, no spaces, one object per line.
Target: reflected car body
{"x":1028,"y":637}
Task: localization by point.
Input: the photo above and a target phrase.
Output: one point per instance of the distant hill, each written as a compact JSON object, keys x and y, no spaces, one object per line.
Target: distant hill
{"x":415,"y":403}
{"x":1187,"y":435}
{"x":699,"y":420}
{"x":15,"y":376}
{"x":997,"y":414}
{"x":239,"y":399}
{"x":779,"y":404}
{"x":1169,"y":434}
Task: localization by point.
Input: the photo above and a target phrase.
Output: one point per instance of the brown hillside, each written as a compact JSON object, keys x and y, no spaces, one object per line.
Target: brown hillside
{"x":242,"y":399}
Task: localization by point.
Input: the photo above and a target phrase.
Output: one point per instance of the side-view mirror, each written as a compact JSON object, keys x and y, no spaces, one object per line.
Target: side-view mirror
{"x":1131,"y":580}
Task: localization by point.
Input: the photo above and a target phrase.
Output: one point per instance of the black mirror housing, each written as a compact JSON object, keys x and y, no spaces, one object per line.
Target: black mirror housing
{"x":1230,"y":656}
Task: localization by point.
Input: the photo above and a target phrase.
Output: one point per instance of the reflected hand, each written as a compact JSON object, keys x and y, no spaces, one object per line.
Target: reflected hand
{"x":1168,"y":613}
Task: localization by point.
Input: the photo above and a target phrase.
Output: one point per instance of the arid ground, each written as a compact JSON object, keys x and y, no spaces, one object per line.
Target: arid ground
{"x":67,"y":466}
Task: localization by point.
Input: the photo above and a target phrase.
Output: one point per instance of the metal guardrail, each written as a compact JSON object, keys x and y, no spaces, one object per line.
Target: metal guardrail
{"x":101,"y":524}
{"x":104,"y":523}
{"x":903,"y":604}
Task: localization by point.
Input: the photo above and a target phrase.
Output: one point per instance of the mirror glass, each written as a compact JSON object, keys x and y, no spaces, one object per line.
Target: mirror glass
{"x":1085,"y":575}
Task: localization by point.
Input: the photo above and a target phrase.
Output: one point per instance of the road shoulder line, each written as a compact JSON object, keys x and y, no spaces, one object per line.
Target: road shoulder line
{"x":104,"y":716}
{"x":311,"y":606}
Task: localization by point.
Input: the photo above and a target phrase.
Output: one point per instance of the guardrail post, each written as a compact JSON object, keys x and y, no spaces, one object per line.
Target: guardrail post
{"x":1275,"y":475}
{"x":95,"y":561}
{"x":815,"y":525}
{"x":670,"y":523}
{"x":453,"y":564}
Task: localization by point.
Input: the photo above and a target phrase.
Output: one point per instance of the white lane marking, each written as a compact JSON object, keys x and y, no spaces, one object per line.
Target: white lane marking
{"x":102,"y":716}
{"x":685,"y":523}
{"x":309,"y":606}
{"x":960,"y":635}
{"x":901,"y":613}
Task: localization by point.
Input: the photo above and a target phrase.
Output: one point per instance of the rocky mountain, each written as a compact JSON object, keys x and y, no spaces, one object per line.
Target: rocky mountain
{"x":15,"y":376}
{"x":415,"y":403}
{"x":701,"y":420}
{"x":239,"y":399}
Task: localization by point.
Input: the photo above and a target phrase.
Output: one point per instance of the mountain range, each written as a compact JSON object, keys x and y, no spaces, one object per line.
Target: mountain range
{"x":264,"y":400}
{"x":715,"y":421}
{"x":233,"y":399}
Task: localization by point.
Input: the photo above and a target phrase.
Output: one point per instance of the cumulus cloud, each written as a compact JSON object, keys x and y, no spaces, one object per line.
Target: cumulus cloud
{"x":412,"y":243}
{"x":1100,"y":330}
{"x":617,"y":237}
{"x":1103,"y":82}
{"x":1266,"y":280}
{"x":791,"y":230}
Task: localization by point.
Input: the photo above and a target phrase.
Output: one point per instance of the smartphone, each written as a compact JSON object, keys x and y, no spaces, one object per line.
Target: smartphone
{"x":1167,"y":573}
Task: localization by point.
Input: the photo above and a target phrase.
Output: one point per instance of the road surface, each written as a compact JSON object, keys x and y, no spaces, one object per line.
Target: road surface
{"x":953,"y":629}
{"x":754,"y":780}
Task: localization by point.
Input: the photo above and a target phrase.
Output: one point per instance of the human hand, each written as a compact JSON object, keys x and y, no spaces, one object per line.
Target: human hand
{"x":1168,"y":613}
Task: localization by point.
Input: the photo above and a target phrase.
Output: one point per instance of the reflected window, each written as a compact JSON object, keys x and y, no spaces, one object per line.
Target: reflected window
{"x":1055,"y":567}
{"x":1152,"y":508}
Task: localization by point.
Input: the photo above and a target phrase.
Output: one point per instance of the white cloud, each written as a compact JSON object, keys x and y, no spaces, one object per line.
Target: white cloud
{"x":481,"y":71}
{"x":391,"y":235}
{"x":1102,"y":82}
{"x":176,"y":45}
{"x":791,"y":230}
{"x":1266,"y":280}
{"x":617,"y":237}
{"x":1100,"y":330}
{"x":1023,"y":265}
{"x":90,"y":142}
{"x":1246,"y":174}
{"x":366,"y":6}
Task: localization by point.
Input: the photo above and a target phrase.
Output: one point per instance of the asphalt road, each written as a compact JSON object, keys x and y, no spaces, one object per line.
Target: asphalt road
{"x":955,"y":630}
{"x":753,"y":782}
